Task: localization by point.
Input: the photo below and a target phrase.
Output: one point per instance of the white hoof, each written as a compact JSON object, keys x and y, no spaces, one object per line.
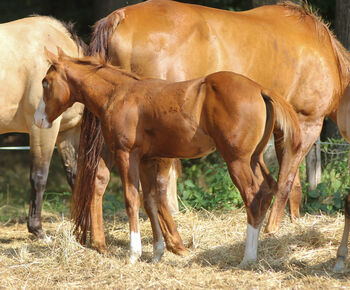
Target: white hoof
{"x":134,"y":258}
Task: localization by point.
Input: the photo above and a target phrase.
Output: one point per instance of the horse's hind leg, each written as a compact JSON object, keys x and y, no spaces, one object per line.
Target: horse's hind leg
{"x":171,"y":236}
{"x":255,"y":185}
{"x":288,"y":170}
{"x":296,"y":194}
{"x":42,"y":142}
{"x":342,"y":252}
{"x":155,"y":176}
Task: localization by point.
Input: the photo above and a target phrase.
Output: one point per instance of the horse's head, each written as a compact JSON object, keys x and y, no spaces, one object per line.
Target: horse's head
{"x":56,"y":92}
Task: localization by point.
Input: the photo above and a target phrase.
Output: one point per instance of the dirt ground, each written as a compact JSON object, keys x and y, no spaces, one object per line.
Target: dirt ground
{"x":300,"y":256}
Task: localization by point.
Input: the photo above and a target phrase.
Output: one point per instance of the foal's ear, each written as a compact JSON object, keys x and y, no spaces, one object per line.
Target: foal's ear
{"x":52,"y":58}
{"x":60,"y":52}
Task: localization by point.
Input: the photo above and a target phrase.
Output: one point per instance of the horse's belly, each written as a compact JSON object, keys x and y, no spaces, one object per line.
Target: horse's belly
{"x":184,"y":145}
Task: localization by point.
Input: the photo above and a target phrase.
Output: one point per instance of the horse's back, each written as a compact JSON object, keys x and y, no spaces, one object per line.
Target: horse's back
{"x":23,"y":65}
{"x":282,"y":47}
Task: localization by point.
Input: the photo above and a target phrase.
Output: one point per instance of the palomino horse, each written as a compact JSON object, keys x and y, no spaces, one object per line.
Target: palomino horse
{"x":146,"y":119}
{"x":22,"y":67}
{"x":283,"y":47}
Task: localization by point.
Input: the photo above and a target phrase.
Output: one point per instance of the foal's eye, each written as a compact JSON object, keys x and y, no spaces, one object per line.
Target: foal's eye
{"x":45,"y":84}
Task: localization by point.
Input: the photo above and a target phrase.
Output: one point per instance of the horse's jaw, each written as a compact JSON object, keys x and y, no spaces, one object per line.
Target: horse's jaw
{"x":40,"y":117}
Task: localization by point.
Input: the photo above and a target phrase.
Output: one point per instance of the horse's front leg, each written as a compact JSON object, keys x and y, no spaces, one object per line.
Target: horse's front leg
{"x":42,"y":142}
{"x":128,"y":166}
{"x":67,"y":146}
{"x":148,"y":183}
{"x":97,"y":237}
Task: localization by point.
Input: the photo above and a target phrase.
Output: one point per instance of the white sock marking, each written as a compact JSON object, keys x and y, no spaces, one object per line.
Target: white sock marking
{"x":251,"y":246}
{"x":135,"y":246}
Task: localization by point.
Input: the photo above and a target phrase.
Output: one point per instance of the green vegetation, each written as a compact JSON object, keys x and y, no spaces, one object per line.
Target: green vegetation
{"x":205,"y":184}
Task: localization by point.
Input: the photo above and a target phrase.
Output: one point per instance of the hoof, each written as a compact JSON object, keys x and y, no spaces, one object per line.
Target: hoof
{"x":134,"y":258}
{"x":158,"y":252}
{"x":246,"y":263}
{"x":339,"y":265}
{"x":270,"y":229}
{"x":38,"y":233}
{"x":101,"y":248}
{"x":156,"y":258}
{"x":183,"y":253}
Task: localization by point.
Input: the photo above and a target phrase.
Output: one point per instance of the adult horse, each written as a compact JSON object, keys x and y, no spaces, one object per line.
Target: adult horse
{"x":22,"y":67}
{"x":283,"y":47}
{"x":143,"y":120}
{"x":343,"y":118}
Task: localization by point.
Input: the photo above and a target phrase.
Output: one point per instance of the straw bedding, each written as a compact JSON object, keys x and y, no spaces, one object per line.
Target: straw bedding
{"x":300,"y":256}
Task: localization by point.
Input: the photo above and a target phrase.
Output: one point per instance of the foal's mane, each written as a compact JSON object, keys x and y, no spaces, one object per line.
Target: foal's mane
{"x":323,"y":30}
{"x":97,"y":62}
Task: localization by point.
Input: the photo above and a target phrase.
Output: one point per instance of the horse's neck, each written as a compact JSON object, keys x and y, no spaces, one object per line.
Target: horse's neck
{"x":94,"y":90}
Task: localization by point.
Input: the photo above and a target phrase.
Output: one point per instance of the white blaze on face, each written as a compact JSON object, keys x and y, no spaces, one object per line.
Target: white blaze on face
{"x":40,"y":117}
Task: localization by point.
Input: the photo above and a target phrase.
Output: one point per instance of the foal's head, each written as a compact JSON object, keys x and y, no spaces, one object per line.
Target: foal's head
{"x":56,"y":91}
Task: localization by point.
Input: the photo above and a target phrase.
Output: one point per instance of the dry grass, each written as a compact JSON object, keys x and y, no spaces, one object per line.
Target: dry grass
{"x":301,"y":255}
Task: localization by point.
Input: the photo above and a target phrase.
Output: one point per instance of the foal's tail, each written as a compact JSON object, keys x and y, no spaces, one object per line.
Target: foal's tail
{"x":284,"y":117}
{"x":91,"y":139}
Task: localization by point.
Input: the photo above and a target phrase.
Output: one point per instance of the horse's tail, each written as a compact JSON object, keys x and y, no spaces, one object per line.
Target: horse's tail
{"x":284,"y":116}
{"x":91,"y":139}
{"x":82,"y":47}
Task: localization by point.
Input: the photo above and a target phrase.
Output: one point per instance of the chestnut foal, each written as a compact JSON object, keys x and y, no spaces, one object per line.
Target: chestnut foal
{"x":143,"y":120}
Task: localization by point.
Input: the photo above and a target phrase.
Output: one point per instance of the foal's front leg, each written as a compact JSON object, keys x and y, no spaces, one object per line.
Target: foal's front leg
{"x":128,"y":166}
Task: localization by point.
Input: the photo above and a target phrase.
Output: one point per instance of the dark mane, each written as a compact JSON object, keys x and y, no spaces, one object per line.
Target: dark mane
{"x":69,"y":26}
{"x":98,"y":62}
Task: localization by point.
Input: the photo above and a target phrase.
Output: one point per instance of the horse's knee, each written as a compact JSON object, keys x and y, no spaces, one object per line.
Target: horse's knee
{"x":102,"y":180}
{"x":38,"y":178}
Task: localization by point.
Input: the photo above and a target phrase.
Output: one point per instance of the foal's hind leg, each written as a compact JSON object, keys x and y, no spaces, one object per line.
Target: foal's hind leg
{"x":42,"y":142}
{"x":171,"y":236}
{"x":256,"y":191}
{"x":154,"y":178}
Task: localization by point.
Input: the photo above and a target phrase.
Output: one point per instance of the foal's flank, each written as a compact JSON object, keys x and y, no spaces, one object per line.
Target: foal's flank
{"x":145,"y":120}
